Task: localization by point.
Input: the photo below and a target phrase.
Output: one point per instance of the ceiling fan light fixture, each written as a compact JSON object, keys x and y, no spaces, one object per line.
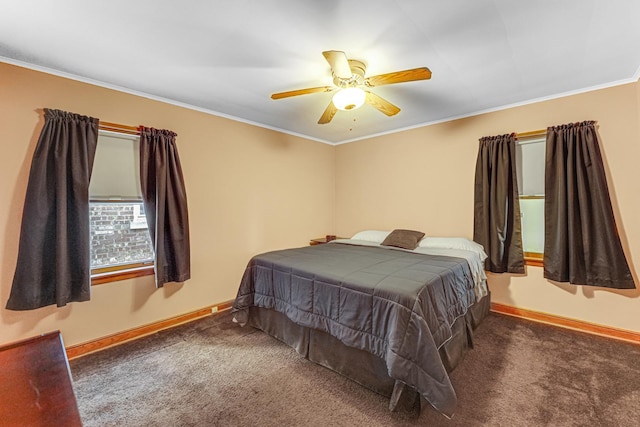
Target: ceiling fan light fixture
{"x":349,"y":98}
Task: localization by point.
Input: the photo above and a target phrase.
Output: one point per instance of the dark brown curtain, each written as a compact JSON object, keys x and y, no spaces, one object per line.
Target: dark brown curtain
{"x":54,"y":255}
{"x":496,"y":224}
{"x":165,"y":202}
{"x":581,"y":245}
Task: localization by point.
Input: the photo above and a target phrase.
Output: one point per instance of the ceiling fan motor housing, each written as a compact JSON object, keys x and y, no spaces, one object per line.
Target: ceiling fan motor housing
{"x":357,"y":75}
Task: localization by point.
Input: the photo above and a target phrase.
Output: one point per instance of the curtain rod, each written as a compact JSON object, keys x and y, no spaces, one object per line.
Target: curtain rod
{"x":116,"y":127}
{"x":534,"y":133}
{"x":531,"y":134}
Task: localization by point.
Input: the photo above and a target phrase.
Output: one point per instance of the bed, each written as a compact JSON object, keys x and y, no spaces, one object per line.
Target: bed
{"x":395,"y":318}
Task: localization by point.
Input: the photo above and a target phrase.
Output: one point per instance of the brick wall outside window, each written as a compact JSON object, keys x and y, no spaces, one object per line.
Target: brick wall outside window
{"x":113,"y":240}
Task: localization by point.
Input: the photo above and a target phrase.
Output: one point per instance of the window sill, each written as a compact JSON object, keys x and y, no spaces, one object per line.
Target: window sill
{"x":533,"y":261}
{"x":114,"y":276}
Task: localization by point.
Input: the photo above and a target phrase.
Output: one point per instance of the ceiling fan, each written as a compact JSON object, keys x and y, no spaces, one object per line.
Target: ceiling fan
{"x":349,"y":80}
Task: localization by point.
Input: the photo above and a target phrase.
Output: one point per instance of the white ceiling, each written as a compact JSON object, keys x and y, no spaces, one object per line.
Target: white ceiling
{"x":228,"y":57}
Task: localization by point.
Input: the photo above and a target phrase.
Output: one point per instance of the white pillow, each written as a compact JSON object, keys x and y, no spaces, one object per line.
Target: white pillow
{"x":452,"y":243}
{"x":375,"y":236}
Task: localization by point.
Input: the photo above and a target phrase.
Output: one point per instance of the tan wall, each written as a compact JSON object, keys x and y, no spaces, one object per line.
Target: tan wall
{"x":249,"y":190}
{"x":252,"y":190}
{"x":423,"y":179}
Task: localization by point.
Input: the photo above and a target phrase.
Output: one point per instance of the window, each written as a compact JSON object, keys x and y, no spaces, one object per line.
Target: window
{"x":120,"y":242}
{"x":139,"y":219}
{"x":530,"y":163}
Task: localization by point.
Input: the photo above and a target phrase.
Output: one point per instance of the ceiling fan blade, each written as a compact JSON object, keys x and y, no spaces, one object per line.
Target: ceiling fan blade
{"x":302,"y":92}
{"x":339,"y":63}
{"x":381,"y":104}
{"x":422,"y":73}
{"x":328,"y":114}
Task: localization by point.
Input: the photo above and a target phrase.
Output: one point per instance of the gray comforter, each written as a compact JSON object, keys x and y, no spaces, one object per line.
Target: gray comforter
{"x":395,"y":304}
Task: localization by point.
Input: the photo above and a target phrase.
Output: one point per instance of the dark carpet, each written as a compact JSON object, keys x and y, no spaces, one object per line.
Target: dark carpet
{"x":212,"y":372}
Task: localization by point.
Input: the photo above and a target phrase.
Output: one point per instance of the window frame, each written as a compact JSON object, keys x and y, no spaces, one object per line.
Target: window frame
{"x":534,"y":259}
{"x":120,"y":272}
{"x":100,"y":276}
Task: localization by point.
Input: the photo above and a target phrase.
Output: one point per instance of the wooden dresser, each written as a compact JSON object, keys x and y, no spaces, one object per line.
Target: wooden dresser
{"x":35,"y":384}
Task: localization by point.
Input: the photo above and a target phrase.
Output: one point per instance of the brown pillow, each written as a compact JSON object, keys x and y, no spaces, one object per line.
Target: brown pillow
{"x":405,"y":239}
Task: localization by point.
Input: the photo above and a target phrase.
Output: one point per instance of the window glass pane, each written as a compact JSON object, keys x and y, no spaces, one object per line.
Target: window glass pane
{"x":530,"y":166}
{"x":118,"y":227}
{"x":117,"y":235}
{"x":532,"y":213}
